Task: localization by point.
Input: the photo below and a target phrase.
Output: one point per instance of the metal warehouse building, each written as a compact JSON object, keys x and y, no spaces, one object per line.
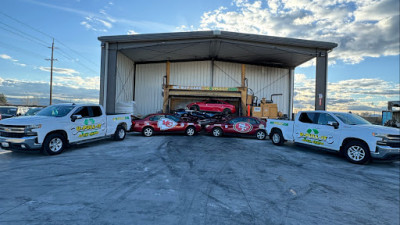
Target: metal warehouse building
{"x":163,"y":72}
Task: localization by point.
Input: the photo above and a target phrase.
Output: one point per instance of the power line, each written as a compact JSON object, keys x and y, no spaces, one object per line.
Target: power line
{"x":22,"y":36}
{"x":47,"y":35}
{"x":88,"y":60}
{"x":35,"y":38}
{"x":68,"y":56}
{"x":10,"y":17}
{"x":12,"y":47}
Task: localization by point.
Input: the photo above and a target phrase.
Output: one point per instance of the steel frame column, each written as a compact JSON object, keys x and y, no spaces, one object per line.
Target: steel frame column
{"x":108,"y":76}
{"x":321,"y":80}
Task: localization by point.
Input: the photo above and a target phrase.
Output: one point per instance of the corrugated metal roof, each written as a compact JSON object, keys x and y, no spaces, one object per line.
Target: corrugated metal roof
{"x":219,"y":35}
{"x":218,"y":45}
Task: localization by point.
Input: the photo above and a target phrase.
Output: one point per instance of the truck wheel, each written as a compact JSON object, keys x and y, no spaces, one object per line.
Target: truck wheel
{"x":120,"y":133}
{"x":226,"y":111}
{"x":277,"y":137}
{"x":190,"y":131}
{"x":54,"y":144}
{"x":147,"y":131}
{"x":357,"y":152}
{"x":217,"y":132}
{"x":260,"y":135}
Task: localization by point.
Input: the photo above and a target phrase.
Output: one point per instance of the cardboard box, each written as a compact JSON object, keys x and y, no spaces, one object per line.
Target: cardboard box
{"x":256,"y":111}
{"x":269,"y":110}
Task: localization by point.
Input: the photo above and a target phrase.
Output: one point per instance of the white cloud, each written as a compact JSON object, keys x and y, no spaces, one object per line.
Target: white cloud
{"x":77,"y":89}
{"x":78,"y":82}
{"x":96,"y":24}
{"x":99,"y":22}
{"x":104,"y":16}
{"x":20,"y":64}
{"x":66,"y":71}
{"x":347,"y":95}
{"x":362,"y":28}
{"x":131,"y":32}
{"x":7,"y":57}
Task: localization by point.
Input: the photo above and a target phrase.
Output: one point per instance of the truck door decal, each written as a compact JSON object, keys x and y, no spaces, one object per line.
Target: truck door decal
{"x":242,"y":127}
{"x":166,"y":124}
{"x":89,"y":129}
{"x":312,"y":136}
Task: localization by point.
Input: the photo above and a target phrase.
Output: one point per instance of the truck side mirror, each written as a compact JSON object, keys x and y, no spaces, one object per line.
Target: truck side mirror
{"x":333,"y":124}
{"x":75,"y":117}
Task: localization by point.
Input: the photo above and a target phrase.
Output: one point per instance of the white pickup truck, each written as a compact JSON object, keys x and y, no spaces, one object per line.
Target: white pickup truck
{"x":356,"y":138}
{"x":56,"y":126}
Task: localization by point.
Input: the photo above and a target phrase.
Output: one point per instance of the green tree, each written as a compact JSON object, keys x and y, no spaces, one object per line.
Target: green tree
{"x":3,"y":99}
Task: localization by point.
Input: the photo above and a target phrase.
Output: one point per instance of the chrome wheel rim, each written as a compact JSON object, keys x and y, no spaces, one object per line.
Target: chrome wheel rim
{"x":190,"y":131}
{"x":356,"y":153}
{"x":55,"y":144}
{"x":216,"y":132}
{"x":121,"y":133}
{"x":276,"y":138}
{"x":148,"y":132}
{"x":260,"y":135}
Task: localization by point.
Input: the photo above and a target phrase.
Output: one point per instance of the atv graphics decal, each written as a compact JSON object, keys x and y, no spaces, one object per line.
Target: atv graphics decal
{"x":243,"y":127}
{"x":312,"y":136}
{"x":166,"y":124}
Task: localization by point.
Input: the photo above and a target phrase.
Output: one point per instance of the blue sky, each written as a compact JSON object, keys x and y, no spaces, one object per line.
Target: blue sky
{"x":363,"y":73}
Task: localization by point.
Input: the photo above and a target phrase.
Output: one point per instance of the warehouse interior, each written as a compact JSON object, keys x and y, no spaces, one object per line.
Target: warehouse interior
{"x":166,"y":71}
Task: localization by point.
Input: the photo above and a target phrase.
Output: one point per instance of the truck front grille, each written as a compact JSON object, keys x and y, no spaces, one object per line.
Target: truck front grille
{"x":391,"y":141}
{"x":393,"y":144}
{"x":12,"y":135}
{"x":12,"y":129}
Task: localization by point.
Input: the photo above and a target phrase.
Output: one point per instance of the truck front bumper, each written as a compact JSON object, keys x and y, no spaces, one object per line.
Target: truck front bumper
{"x":24,"y":143}
{"x":386,"y":152}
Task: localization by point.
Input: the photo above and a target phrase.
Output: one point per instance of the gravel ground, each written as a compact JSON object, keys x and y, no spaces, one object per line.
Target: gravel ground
{"x":173,"y":179}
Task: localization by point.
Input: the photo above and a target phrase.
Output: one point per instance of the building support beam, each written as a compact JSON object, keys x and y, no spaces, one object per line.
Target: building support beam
{"x":104,"y":51}
{"x":244,"y":91}
{"x":321,"y":80}
{"x":166,"y":89}
{"x":109,"y":77}
{"x":291,"y":92}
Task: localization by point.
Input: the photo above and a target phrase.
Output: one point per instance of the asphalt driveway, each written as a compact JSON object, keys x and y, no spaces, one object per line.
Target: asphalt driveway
{"x":176,"y":179}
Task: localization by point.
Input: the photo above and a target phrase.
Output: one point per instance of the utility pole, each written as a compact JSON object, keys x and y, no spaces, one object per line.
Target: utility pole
{"x":51,"y":71}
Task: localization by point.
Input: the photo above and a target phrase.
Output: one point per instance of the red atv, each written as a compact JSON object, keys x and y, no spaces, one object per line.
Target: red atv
{"x":212,"y":106}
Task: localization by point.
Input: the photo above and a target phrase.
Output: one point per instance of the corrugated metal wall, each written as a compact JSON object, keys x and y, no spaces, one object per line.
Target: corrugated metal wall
{"x":148,"y":84}
{"x":196,"y":73}
{"x":265,"y":81}
{"x":124,"y":79}
{"x":227,"y":74}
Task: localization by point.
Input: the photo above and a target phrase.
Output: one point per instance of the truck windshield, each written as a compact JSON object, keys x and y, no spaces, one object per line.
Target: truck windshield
{"x":56,"y":110}
{"x":351,"y":119}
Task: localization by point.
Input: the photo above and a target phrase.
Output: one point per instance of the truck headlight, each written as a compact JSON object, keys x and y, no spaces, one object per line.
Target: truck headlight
{"x":37,"y":126}
{"x":383,"y":138}
{"x":380,"y":135}
{"x":29,"y":129}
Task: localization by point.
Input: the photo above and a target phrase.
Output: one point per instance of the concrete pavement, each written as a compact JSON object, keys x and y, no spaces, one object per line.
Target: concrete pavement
{"x":175,"y":179}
